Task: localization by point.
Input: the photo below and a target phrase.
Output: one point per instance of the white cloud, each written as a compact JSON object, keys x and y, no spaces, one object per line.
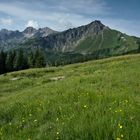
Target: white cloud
{"x":58,"y":20}
{"x":6,"y":21}
{"x":62,"y":14}
{"x":32,"y":23}
{"x":90,"y":7}
{"x":52,"y":12}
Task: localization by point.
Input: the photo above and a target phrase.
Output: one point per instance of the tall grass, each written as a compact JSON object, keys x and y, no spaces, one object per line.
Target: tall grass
{"x":97,"y":100}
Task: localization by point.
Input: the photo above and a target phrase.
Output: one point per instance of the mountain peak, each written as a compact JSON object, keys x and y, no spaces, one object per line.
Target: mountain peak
{"x":4,"y":31}
{"x":30,"y":30}
{"x":43,"y":32}
{"x":95,"y":27}
{"x":97,"y":23}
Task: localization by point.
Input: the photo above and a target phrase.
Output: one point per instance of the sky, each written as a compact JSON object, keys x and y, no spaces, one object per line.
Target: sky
{"x":122,"y":15}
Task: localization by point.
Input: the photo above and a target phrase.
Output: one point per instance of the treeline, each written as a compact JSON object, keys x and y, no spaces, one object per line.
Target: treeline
{"x":19,"y":60}
{"x":22,"y":59}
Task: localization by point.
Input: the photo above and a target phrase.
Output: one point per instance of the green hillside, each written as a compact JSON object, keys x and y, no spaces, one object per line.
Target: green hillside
{"x":96,"y":100}
{"x":110,"y":42}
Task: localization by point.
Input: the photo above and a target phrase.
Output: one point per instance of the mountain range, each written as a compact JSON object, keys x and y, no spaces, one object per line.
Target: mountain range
{"x":11,"y":39}
{"x":94,"y":40}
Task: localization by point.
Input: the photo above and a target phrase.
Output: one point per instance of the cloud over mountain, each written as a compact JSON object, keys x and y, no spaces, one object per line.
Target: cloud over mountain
{"x":32,"y":23}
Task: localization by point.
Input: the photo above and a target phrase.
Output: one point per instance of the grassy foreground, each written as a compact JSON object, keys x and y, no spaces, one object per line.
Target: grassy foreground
{"x":97,"y":100}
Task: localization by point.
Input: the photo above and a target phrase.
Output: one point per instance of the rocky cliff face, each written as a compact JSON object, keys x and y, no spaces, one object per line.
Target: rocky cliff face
{"x":44,"y":32}
{"x":94,"y":38}
{"x":29,"y":32}
{"x":67,"y":40}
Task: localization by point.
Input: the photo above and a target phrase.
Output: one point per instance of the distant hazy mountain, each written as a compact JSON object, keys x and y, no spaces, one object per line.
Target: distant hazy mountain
{"x":10,"y":39}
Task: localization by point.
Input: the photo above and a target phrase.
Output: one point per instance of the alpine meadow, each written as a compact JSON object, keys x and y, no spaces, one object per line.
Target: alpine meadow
{"x":94,"y":100}
{"x":69,"y":70}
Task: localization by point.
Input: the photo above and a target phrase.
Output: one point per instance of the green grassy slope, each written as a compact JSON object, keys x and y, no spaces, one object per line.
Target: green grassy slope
{"x":97,"y":100}
{"x":112,"y":40}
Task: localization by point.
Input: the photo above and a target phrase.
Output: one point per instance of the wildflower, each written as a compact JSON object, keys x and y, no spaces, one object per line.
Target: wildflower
{"x":57,"y":119}
{"x":57,"y":133}
{"x":35,"y":120}
{"x":10,"y":124}
{"x":118,"y":139}
{"x":120,"y":110}
{"x":85,"y":106}
{"x":30,"y":115}
{"x":23,"y":120}
{"x":126,"y":101}
{"x":121,"y":136}
{"x":116,"y":111}
{"x":120,"y":126}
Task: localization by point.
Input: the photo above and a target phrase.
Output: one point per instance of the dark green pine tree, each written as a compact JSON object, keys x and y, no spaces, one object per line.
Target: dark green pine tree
{"x":31,"y":60}
{"x":138,"y":42}
{"x":2,"y":62}
{"x":39,"y":58}
{"x":10,"y":61}
{"x":21,"y":61}
{"x":139,"y":48}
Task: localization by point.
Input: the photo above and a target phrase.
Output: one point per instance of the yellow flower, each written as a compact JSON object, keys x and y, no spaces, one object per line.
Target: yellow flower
{"x":120,"y":126}
{"x":57,"y":133}
{"x":23,"y":121}
{"x":121,"y":135}
{"x":118,"y":139}
{"x":126,"y":101}
{"x":85,"y":106}
{"x":30,"y":115}
{"x":35,"y":120}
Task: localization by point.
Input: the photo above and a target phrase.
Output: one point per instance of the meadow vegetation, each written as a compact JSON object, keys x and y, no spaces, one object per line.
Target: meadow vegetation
{"x":95,"y":100}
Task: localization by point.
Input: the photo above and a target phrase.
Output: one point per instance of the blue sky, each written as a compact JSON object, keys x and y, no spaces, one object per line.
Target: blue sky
{"x":123,"y":15}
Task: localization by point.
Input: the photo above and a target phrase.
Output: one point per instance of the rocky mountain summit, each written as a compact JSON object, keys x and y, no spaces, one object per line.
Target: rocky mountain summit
{"x":10,"y":39}
{"x":67,"y":40}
